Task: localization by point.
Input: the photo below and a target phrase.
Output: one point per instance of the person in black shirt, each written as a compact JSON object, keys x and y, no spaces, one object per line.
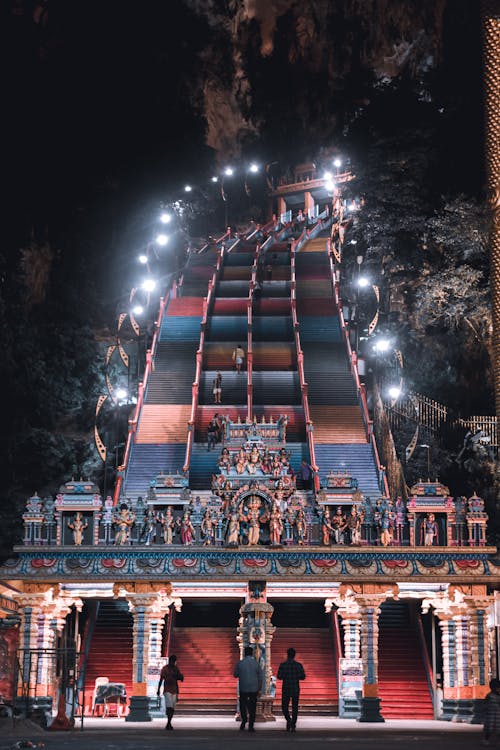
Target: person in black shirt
{"x":291,"y":672}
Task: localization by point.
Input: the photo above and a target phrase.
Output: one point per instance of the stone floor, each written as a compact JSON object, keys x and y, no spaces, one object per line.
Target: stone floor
{"x":221,"y":733}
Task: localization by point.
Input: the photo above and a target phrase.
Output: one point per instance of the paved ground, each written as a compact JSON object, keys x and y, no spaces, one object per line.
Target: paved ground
{"x":207,"y":733}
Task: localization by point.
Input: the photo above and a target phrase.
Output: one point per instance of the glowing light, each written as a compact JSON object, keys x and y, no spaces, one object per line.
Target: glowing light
{"x":228,"y":171}
{"x":337,"y":163}
{"x":354,"y":242}
{"x":330,"y":186}
{"x":162,"y":239}
{"x":148,"y":285}
{"x":328,"y":176}
{"x":121,"y":393}
{"x":138,"y":310}
{"x":165,"y":218}
{"x":254,"y":168}
{"x":382,"y":345}
{"x":215,"y":179}
{"x":143,"y":259}
{"x":187,"y":188}
{"x":394,"y":392}
{"x":363,"y":282}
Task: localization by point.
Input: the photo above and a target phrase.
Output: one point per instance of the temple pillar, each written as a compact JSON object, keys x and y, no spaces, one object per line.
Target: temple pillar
{"x":281,"y":206}
{"x":256,"y":630}
{"x":369,"y":614}
{"x":308,"y":204}
{"x":465,"y":652}
{"x":348,"y":610}
{"x":148,"y":606}
{"x":479,"y":655}
{"x":43,"y":613}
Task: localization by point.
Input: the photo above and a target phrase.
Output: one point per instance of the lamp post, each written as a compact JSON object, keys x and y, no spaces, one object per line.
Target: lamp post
{"x":428,"y":449}
{"x":228,"y":172}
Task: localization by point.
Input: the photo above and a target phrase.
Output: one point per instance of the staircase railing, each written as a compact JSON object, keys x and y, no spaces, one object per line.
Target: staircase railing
{"x":360,"y":387}
{"x":141,"y":390}
{"x":195,"y":390}
{"x":300,"y":368}
{"x":169,"y":631}
{"x":431,"y":677}
{"x":251,"y":289}
{"x":440,"y":419}
{"x":93,"y":609}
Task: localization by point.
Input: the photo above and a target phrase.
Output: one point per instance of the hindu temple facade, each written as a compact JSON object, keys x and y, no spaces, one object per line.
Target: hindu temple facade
{"x":279,"y":530}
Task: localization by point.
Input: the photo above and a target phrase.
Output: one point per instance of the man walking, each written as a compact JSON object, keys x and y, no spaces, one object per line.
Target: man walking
{"x":291,"y":672}
{"x":238,"y":357}
{"x":250,"y":677}
{"x":170,"y":676}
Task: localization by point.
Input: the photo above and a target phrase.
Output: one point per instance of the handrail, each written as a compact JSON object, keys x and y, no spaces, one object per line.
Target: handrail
{"x":300,"y":369}
{"x":360,"y":387}
{"x":195,"y":390}
{"x":423,"y":648}
{"x":141,"y":389}
{"x":169,"y":631}
{"x":251,"y":288}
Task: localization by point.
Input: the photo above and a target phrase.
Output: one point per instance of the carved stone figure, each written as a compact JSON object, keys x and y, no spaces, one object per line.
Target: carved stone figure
{"x":78,"y":526}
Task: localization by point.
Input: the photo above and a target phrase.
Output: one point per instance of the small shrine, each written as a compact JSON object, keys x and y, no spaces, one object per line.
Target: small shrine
{"x":431,"y":515}
{"x":75,"y":514}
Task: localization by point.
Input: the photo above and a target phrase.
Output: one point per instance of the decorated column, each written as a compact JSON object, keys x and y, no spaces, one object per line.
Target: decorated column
{"x":369,"y":605}
{"x":479,"y":653}
{"x":149,"y":605}
{"x":256,"y":630}
{"x":350,"y":670}
{"x":466,"y":656}
{"x":43,"y":612}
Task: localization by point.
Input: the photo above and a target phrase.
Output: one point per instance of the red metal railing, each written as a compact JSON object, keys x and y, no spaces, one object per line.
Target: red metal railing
{"x":150,"y":354}
{"x":353,"y":359}
{"x":195,"y":392}
{"x":300,"y":368}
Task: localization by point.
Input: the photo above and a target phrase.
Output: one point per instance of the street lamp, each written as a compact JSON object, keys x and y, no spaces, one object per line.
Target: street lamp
{"x":143,"y":259}
{"x":228,"y":172}
{"x":149,"y":285}
{"x":162,"y":240}
{"x":165,"y":218}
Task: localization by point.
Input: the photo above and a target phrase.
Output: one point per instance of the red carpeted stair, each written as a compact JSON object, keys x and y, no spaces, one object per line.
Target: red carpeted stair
{"x":318,"y":692}
{"x":403,"y":686}
{"x":110,"y":652}
{"x":206,"y":658}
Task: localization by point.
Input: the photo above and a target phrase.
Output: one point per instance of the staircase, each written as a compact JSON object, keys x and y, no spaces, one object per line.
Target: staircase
{"x":110,"y":652}
{"x":319,"y":691}
{"x":206,"y":657}
{"x":403,"y":686}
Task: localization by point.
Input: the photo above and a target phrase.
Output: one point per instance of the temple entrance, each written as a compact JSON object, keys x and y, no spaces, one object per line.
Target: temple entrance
{"x":204,"y":641}
{"x":304,"y":626}
{"x":405,"y":658}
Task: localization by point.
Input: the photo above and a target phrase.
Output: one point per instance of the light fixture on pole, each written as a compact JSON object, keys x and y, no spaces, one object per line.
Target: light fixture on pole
{"x":228,"y":172}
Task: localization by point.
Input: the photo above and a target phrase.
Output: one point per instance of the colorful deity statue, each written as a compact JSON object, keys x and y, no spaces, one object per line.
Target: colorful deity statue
{"x":253,"y":519}
{"x":167,"y":522}
{"x":300,"y":526}
{"x":148,"y":534}
{"x":186,"y":529}
{"x":353,"y":523}
{"x":399,"y":519}
{"x":430,"y":530}
{"x":78,"y":526}
{"x":208,"y":527}
{"x":326,"y":528}
{"x":275,"y":526}
{"x":123,"y":521}
{"x":339,"y":524}
{"x":233,"y":528}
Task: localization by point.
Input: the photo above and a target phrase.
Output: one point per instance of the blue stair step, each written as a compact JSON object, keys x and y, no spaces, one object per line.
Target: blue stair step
{"x":146,"y":462}
{"x":357,"y":460}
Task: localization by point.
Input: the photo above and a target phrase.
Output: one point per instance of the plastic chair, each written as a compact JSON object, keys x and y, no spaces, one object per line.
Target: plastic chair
{"x":99,"y":681}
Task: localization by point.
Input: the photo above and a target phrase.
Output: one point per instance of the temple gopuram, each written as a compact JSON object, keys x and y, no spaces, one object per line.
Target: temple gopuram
{"x":279,"y":530}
